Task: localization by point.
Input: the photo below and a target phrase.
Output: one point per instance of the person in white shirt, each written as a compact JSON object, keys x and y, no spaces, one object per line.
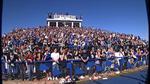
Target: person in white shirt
{"x":119,"y":56}
{"x":55,"y":57}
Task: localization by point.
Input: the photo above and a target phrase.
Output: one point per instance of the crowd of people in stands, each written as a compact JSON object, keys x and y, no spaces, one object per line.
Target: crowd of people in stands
{"x":64,"y":43}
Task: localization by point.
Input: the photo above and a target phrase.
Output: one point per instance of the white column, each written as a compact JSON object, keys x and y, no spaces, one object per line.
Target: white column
{"x":48,"y":23}
{"x":71,"y":24}
{"x":79,"y":24}
{"x":56,"y":24}
{"x":65,"y":24}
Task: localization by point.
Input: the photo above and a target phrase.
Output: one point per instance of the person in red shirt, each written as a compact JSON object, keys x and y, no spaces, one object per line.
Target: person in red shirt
{"x":29,"y":59}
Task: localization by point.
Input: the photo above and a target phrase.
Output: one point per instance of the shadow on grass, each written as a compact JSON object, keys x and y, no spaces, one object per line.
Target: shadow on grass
{"x":134,"y":78}
{"x":96,"y":82}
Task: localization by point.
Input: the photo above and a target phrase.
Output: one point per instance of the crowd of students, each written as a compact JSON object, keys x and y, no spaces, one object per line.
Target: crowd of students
{"x":64,"y":43}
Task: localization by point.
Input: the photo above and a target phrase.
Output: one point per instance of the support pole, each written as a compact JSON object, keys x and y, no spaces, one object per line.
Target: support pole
{"x":48,"y":23}
{"x":79,"y":24}
{"x":56,"y":24}
{"x":71,"y":24}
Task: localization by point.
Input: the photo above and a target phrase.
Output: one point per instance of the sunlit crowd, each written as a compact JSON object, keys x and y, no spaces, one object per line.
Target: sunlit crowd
{"x":64,"y":43}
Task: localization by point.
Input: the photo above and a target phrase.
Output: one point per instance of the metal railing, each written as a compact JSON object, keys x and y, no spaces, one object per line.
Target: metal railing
{"x":21,"y":69}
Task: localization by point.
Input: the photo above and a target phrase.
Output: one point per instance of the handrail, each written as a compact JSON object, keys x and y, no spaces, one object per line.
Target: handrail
{"x":71,"y":61}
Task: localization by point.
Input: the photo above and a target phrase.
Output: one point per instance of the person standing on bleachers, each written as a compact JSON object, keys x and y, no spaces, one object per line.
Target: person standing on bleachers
{"x":84,"y":57}
{"x":29,"y":59}
{"x":55,"y":57}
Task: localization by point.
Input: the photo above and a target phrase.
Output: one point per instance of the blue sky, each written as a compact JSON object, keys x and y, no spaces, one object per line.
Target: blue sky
{"x":124,"y":16}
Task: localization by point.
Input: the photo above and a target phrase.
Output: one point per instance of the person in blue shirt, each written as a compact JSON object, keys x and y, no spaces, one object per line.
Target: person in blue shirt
{"x":47,"y":57}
